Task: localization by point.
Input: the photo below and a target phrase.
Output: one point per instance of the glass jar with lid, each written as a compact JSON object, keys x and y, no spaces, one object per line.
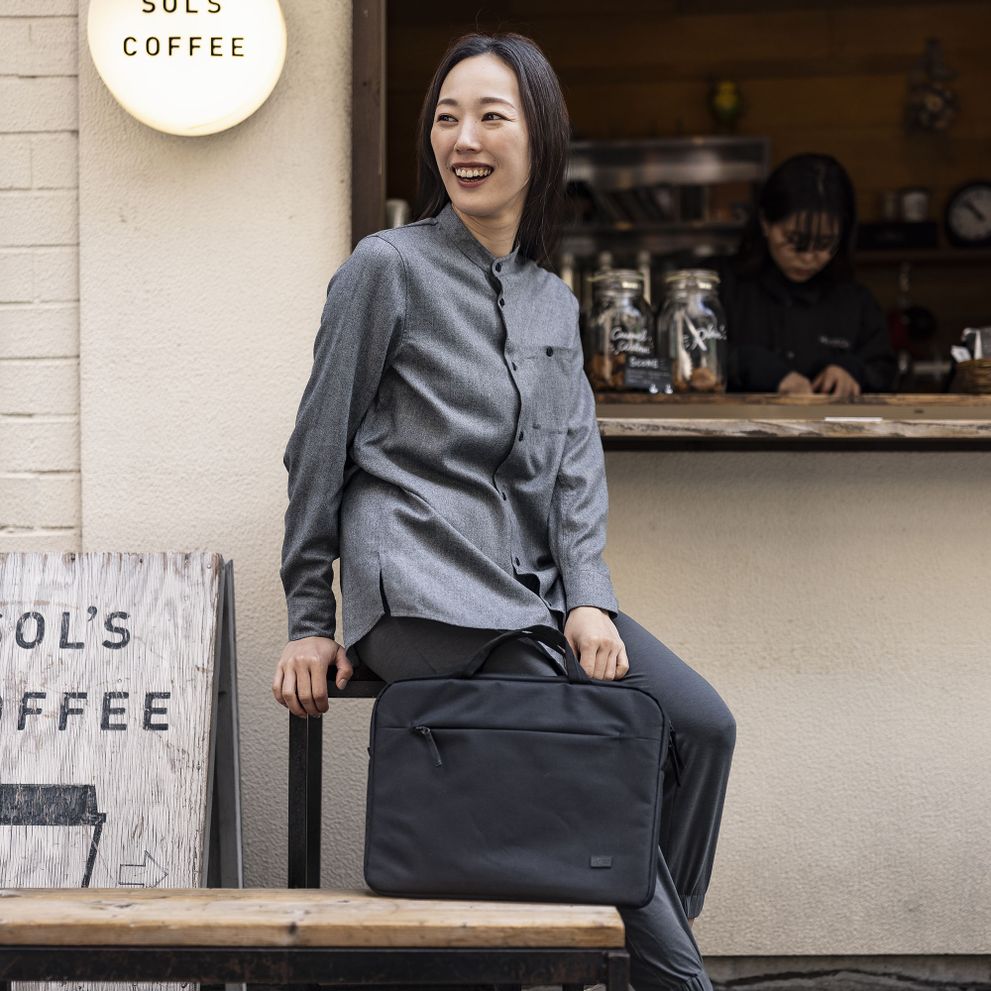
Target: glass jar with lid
{"x":692,"y":328}
{"x":621,"y":326}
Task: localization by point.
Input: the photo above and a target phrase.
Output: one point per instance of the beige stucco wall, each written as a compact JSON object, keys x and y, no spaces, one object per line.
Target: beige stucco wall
{"x":203,"y":270}
{"x":838,"y":601}
{"x":835,"y":600}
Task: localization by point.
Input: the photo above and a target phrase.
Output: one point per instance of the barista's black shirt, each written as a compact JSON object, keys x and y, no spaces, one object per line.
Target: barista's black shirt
{"x":775,"y":326}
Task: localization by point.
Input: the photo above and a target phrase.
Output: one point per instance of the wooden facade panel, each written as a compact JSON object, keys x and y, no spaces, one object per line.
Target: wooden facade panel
{"x":829,"y":76}
{"x":448,"y":11}
{"x":819,"y":41}
{"x":826,"y":76}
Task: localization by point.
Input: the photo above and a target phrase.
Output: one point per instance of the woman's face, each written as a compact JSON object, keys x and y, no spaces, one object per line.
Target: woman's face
{"x":478,"y":122}
{"x":802,"y":246}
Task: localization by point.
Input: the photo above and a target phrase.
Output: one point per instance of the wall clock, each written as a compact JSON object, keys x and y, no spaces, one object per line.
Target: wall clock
{"x":968,"y":215}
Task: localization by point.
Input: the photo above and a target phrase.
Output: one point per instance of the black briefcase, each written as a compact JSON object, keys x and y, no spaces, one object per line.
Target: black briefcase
{"x":515,"y":787}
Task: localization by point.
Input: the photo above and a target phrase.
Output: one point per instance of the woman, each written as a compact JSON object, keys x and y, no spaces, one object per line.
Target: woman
{"x":446,"y":448}
{"x":797,"y":321}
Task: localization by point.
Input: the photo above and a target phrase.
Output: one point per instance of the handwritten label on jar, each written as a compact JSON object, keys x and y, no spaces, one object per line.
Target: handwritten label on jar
{"x":628,"y":340}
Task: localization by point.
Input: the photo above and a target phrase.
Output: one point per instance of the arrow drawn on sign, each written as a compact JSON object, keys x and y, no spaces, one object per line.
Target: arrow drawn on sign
{"x":141,"y":875}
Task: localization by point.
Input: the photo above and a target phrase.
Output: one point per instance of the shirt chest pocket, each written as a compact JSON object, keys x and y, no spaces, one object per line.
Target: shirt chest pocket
{"x":547,"y":381}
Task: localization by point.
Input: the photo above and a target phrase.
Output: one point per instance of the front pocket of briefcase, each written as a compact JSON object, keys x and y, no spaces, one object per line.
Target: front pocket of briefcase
{"x":514,"y":814}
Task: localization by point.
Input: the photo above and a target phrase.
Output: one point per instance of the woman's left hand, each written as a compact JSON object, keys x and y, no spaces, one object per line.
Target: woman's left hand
{"x":596,"y":643}
{"x":836,"y":380}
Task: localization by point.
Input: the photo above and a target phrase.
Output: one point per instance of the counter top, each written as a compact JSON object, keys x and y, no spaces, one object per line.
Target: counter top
{"x":639,"y":421}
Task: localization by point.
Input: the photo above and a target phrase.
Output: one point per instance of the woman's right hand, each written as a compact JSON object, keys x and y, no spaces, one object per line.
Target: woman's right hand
{"x":300,"y":682}
{"x":795,"y":384}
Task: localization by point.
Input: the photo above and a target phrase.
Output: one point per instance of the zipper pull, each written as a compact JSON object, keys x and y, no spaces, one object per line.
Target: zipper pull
{"x":424,"y":731}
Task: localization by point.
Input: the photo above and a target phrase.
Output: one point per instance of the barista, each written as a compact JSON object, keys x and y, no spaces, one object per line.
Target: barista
{"x":797,"y":322}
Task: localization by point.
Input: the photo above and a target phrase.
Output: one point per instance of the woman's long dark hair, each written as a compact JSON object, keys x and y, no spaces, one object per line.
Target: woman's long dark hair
{"x":547,"y":123}
{"x":809,"y":186}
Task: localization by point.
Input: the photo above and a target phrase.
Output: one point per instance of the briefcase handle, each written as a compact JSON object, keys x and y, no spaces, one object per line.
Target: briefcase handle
{"x":545,"y":634}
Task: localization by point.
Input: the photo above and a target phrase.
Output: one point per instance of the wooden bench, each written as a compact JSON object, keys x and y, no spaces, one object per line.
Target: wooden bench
{"x":284,"y":936}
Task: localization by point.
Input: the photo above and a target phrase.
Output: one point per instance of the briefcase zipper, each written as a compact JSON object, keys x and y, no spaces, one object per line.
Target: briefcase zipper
{"x":427,"y":734}
{"x":424,"y":731}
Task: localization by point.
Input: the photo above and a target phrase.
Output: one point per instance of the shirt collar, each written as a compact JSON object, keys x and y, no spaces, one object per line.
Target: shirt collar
{"x":466,"y":242}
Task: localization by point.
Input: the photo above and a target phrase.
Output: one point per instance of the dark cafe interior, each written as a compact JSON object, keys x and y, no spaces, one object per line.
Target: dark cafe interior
{"x":793,"y":203}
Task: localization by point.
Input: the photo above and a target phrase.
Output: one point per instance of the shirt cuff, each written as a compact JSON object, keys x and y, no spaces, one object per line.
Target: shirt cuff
{"x":301,"y":626}
{"x":589,"y":588}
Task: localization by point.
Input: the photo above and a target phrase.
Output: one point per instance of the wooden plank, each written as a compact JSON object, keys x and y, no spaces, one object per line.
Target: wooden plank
{"x":757,"y":417}
{"x":923,"y":401}
{"x":749,"y":6}
{"x":293,"y":918}
{"x":850,"y":428}
{"x":453,"y":11}
{"x":813,"y":41}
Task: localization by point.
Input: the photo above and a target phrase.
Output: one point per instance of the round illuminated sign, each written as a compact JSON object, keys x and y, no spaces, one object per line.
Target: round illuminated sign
{"x":188,"y":66}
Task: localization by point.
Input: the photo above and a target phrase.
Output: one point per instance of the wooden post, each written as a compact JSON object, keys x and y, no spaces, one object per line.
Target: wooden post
{"x":368,"y":42}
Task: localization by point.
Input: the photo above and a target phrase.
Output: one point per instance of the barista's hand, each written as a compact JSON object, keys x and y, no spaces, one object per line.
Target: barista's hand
{"x":596,"y":643}
{"x":837,"y":381}
{"x":794,"y":384}
{"x":300,"y":682}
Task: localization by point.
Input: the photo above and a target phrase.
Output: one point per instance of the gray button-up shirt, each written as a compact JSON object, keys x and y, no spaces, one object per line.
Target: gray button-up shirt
{"x":446,"y":446}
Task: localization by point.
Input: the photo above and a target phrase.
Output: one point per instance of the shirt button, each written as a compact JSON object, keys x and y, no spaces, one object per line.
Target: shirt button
{"x":521,"y":435}
{"x":550,"y":351}
{"x":516,"y":561}
{"x":498,"y":266}
{"x":505,"y":496}
{"x":502,"y":301}
{"x":513,"y":364}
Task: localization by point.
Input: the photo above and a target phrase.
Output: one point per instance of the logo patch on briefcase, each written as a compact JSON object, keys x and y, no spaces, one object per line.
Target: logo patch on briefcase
{"x":600,"y":862}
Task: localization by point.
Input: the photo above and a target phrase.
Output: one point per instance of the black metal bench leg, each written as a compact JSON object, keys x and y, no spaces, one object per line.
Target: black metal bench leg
{"x":618,"y":978}
{"x":305,"y":782}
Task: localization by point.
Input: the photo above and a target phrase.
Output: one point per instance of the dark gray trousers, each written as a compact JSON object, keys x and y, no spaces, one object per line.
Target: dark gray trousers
{"x":663,"y":953}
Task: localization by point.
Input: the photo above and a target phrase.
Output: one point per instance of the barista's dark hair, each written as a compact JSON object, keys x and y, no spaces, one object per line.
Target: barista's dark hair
{"x":807,"y":186}
{"x":549,"y":129}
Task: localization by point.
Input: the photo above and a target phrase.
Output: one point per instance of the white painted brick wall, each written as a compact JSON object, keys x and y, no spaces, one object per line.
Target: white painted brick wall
{"x":39,"y":276}
{"x":15,"y":161}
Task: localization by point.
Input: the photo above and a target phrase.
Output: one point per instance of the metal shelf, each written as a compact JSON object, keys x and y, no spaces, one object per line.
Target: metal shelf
{"x":633,"y":193}
{"x":702,"y":160}
{"x":667,"y":240}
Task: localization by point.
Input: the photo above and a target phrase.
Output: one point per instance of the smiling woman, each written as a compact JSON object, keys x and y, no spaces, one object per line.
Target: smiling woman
{"x":476,"y":146}
{"x":476,"y":116}
{"x":468,"y":494}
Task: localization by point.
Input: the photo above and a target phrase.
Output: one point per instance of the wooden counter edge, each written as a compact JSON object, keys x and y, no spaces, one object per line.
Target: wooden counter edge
{"x":793,"y":429}
{"x":759,"y":399}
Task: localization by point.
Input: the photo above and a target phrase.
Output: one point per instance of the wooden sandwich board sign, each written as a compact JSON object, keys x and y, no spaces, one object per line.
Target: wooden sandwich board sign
{"x":118,"y":721}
